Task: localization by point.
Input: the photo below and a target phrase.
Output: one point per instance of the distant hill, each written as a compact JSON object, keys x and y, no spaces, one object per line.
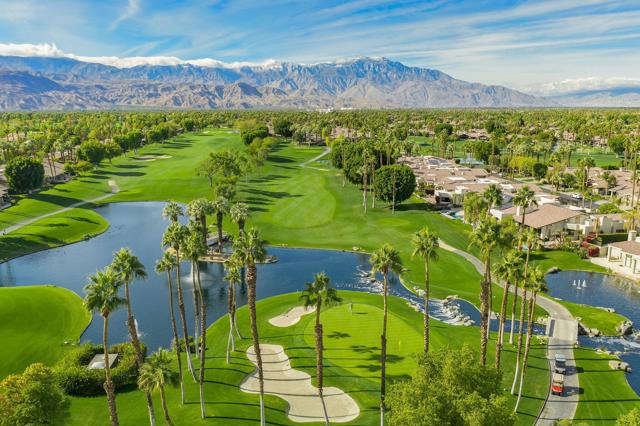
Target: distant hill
{"x":618,"y":97}
{"x":29,"y":83}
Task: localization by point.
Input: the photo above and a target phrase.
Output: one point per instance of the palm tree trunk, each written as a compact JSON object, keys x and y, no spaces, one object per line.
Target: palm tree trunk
{"x":196,"y":309}
{"x":135,"y":341}
{"x":532,"y":304}
{"x":219,"y":226}
{"x":109,"y":388}
{"x":484,"y":324}
{"x":251,"y":283}
{"x":503,"y":313}
{"x":231,"y":343}
{"x":183,"y":317}
{"x":165,"y":409}
{"x":203,"y":340}
{"x":523,"y":309}
{"x":319,"y":363}
{"x":426,"y":305}
{"x":383,"y":351}
{"x":176,"y":337}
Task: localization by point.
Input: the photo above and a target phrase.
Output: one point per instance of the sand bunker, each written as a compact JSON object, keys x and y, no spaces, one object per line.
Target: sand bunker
{"x":292,"y":316}
{"x":295,"y":387}
{"x":151,"y":157}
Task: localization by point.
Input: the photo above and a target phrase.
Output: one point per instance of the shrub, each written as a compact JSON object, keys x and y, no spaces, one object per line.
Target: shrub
{"x":75,"y":378}
{"x":32,"y":398}
{"x":24,"y":173}
{"x":395,"y":183}
{"x":92,"y":151}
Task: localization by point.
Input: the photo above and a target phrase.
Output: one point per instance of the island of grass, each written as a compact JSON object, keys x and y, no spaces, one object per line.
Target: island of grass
{"x":59,"y":229}
{"x":39,"y":324}
{"x":352,"y":351}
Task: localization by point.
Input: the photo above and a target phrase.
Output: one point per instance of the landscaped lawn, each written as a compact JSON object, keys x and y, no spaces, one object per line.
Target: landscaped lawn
{"x":352,"y":342}
{"x":298,"y":207}
{"x":36,"y":323}
{"x":605,"y":392}
{"x":52,"y":231}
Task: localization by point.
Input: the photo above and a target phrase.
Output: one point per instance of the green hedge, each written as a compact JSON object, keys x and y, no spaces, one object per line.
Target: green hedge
{"x":612,"y":238}
{"x":75,"y":378}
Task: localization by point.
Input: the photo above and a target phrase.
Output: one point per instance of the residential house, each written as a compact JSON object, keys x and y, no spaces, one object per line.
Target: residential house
{"x":548,"y":220}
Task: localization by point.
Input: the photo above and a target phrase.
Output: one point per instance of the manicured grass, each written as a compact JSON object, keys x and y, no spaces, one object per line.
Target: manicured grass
{"x":601,"y":159}
{"x":564,"y":260}
{"x":351,"y":359}
{"x":53,"y":231}
{"x":36,"y":323}
{"x":605,"y":392}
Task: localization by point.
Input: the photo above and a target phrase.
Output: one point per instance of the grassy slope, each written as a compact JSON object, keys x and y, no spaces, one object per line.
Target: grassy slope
{"x":352,"y":353}
{"x":606,"y":392}
{"x":36,"y":321}
{"x":62,"y":228}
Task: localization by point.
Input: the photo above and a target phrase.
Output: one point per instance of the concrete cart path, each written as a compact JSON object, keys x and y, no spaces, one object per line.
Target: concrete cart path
{"x":114,"y":189}
{"x":563,"y":333}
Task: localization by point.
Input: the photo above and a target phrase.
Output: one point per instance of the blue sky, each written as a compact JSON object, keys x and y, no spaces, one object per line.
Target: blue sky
{"x":532,"y":45}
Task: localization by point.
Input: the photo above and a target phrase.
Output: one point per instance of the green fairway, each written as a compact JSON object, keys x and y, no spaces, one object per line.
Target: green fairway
{"x":351,"y":358}
{"x":299,"y":207}
{"x":53,"y":231}
{"x":605,"y":392}
{"x":36,"y":323}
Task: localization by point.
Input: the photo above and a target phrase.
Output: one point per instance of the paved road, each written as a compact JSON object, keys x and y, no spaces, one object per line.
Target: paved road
{"x":306,"y":163}
{"x":112,"y":185}
{"x":563,"y":332}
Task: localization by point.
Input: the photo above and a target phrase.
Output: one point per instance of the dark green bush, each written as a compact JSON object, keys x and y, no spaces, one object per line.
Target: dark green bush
{"x":75,"y":378}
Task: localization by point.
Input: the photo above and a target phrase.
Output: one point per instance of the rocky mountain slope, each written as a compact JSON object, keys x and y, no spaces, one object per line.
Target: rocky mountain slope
{"x":28,"y":83}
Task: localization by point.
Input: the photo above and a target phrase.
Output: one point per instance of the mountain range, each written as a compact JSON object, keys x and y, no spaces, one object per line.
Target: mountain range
{"x":52,"y":83}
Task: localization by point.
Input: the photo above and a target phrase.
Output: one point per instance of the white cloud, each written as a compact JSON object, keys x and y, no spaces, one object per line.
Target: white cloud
{"x":133,"y":7}
{"x":50,"y":50}
{"x":577,"y":85}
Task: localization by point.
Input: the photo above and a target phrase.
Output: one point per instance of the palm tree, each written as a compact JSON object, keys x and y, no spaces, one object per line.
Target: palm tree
{"x":531,"y":241}
{"x":234,"y":276}
{"x":102,"y":297}
{"x":524,"y":198}
{"x":197,"y":210}
{"x":166,"y":264}
{"x":194,"y":249}
{"x":128,"y":267}
{"x":175,"y":237}
{"x":173,"y":211}
{"x":384,"y":260}
{"x":508,"y":270}
{"x":424,"y":245}
{"x":249,"y":248}
{"x":474,"y":207}
{"x":537,"y":283}
{"x":493,"y":197}
{"x":155,"y":374}
{"x":239,"y":213}
{"x":316,"y":294}
{"x":221,"y":207}
{"x":486,"y":236}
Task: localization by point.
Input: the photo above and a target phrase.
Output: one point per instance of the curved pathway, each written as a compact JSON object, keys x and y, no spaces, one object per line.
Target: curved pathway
{"x":114,"y":189}
{"x":316,"y":158}
{"x":563,"y":332}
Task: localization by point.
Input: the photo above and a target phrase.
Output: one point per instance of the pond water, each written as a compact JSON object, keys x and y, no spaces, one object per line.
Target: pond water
{"x":607,"y":291}
{"x":139,"y":226}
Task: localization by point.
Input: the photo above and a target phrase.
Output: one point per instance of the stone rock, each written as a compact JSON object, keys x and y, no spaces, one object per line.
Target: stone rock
{"x":602,"y":308}
{"x":594,"y":332}
{"x":553,"y":270}
{"x":625,"y":328}
{"x":582,"y":330}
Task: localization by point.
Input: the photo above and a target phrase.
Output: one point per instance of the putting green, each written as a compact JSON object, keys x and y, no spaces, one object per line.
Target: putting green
{"x":352,"y":342}
{"x":36,"y":323}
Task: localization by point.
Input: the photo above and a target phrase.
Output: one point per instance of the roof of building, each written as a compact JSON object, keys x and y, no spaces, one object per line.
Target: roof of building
{"x":631,"y":247}
{"x":544,"y":215}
